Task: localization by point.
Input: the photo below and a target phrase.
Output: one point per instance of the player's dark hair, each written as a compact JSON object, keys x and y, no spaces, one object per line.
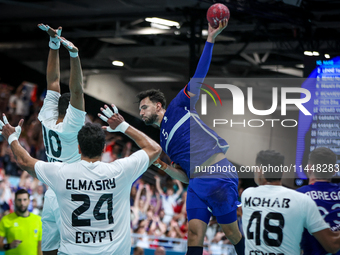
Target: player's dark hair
{"x":271,"y":159}
{"x":155,"y":96}
{"x":21,"y":191}
{"x":63,"y":102}
{"x":91,"y":139}
{"x":323,"y":161}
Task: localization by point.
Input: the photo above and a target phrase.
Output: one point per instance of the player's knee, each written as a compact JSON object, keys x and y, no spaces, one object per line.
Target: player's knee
{"x":232,"y":233}
{"x":192,"y":232}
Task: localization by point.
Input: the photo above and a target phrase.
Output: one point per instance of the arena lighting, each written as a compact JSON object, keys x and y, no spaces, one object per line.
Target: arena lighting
{"x":315,"y":53}
{"x":308,"y":53}
{"x":205,"y":32}
{"x":155,"y":25}
{"x":117,"y":63}
{"x":327,"y":56}
{"x":163,"y":22}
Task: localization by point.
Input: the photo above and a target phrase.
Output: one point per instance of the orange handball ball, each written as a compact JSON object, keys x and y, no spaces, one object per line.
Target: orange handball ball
{"x":216,"y":13}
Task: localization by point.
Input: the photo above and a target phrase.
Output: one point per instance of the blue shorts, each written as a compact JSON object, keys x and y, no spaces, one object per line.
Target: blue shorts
{"x":218,"y":197}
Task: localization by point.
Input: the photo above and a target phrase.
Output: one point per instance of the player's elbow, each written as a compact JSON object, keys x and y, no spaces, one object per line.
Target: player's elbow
{"x":157,"y":150}
{"x":22,"y":163}
{"x":77,"y":92}
{"x":154,"y":151}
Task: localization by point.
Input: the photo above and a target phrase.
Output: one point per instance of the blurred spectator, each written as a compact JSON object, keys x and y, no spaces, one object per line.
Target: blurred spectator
{"x":38,"y":196}
{"x":138,"y":251}
{"x":168,"y":199}
{"x":5,"y":93}
{"x":160,"y":251}
{"x":142,"y":205}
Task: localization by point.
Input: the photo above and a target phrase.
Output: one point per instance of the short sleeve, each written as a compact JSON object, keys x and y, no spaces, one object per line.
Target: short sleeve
{"x":2,"y":228}
{"x":134,"y":165}
{"x":50,"y":107}
{"x":47,"y":172}
{"x":314,"y":221}
{"x":74,"y":119}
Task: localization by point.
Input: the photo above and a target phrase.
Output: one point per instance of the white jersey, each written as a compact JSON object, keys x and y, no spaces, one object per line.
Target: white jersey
{"x":60,"y":139}
{"x":94,"y":200}
{"x":274,"y":218}
{"x":169,"y":203}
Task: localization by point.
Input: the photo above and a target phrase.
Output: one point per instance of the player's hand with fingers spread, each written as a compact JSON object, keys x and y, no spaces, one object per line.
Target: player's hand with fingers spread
{"x":14,"y":244}
{"x":114,"y":119}
{"x":10,"y":133}
{"x":214,"y":32}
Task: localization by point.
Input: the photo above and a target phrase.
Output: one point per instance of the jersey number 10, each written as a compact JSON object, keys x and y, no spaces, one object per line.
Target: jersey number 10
{"x":48,"y":142}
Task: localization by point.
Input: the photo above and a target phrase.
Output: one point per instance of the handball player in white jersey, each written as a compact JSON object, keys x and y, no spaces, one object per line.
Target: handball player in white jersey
{"x":274,"y":217}
{"x":61,"y":116}
{"x":94,"y":196}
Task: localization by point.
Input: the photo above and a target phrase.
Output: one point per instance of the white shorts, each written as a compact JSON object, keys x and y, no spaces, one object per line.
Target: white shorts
{"x":50,"y":222}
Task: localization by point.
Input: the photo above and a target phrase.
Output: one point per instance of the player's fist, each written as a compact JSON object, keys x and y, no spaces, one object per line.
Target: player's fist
{"x":160,"y":164}
{"x":14,"y":244}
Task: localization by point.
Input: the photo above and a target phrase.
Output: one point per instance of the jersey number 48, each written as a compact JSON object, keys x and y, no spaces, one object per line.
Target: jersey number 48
{"x":268,"y":228}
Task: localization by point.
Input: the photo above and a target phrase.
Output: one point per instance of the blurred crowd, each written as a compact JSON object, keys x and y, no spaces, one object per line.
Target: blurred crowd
{"x":157,"y":203}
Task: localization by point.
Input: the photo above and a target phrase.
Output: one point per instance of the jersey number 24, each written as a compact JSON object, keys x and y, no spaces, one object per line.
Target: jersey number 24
{"x":76,"y":222}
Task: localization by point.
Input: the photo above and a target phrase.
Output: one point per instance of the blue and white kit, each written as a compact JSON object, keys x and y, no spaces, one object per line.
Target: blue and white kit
{"x":189,"y":142}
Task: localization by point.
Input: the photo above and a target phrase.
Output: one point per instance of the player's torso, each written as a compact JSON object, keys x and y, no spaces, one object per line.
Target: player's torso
{"x":175,"y":135}
{"x":185,"y":138}
{"x":60,"y":145}
{"x":27,"y":229}
{"x":327,"y":197}
{"x":272,"y":221}
{"x":94,"y":207}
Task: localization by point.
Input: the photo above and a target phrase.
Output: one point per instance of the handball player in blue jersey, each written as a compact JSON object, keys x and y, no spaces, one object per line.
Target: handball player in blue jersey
{"x":189,"y":143}
{"x":325,"y":194}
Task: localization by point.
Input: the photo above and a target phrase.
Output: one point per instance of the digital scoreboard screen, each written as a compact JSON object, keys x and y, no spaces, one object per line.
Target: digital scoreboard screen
{"x":322,"y":128}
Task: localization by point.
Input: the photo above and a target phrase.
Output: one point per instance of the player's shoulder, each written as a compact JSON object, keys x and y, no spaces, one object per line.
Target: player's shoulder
{"x":249,"y":190}
{"x":9,"y":217}
{"x":181,"y":97}
{"x":304,"y":189}
{"x":34,"y":217}
{"x":252,"y":190}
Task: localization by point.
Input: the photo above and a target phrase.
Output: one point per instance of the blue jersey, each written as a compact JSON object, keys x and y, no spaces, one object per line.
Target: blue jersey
{"x":327,"y":197}
{"x":184,"y":137}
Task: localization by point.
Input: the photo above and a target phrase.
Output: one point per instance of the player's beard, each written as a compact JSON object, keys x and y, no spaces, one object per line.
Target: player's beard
{"x":151,"y":120}
{"x":21,"y":209}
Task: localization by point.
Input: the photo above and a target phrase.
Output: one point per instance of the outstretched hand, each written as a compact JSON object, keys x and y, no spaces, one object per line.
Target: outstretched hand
{"x":68,"y":45}
{"x":114,"y":119}
{"x":50,"y":31}
{"x":214,"y":32}
{"x":8,"y":132}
